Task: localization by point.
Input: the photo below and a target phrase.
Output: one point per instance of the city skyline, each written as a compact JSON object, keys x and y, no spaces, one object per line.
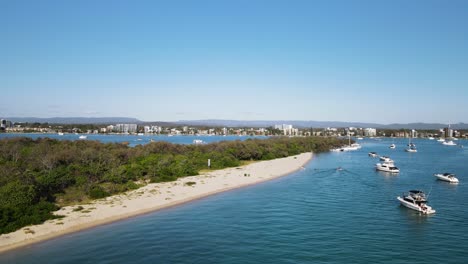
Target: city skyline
{"x":357,"y":61}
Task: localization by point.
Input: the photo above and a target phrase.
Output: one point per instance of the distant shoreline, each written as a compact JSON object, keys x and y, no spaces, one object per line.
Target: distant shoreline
{"x":152,"y":197}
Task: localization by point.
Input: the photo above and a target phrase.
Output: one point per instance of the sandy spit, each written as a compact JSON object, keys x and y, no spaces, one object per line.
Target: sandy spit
{"x":152,"y":197}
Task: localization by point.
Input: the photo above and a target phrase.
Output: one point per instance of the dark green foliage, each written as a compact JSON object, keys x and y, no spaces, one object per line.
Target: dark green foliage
{"x":34,"y":173}
{"x":190,"y":183}
{"x":97,"y":192}
{"x":15,"y":217}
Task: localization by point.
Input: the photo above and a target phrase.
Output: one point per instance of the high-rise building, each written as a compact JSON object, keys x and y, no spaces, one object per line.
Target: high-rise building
{"x":370,"y":132}
{"x":448,"y":132}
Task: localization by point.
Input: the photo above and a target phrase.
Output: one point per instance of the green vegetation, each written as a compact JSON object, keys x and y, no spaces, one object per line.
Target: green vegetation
{"x":38,"y":176}
{"x":190,"y":183}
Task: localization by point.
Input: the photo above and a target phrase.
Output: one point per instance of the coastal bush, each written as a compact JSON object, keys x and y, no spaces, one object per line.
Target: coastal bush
{"x":13,"y":218}
{"x":97,"y":192}
{"x":190,"y":183}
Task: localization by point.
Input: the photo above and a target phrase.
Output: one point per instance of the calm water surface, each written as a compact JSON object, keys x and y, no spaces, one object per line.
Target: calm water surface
{"x":317,"y":215}
{"x":133,"y":140}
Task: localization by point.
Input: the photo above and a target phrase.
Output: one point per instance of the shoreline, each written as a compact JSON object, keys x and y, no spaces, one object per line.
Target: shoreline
{"x":151,"y":198}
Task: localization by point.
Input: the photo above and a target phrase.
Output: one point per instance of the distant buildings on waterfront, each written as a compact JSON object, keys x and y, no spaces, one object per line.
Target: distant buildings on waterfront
{"x":276,"y":130}
{"x":4,"y":124}
{"x":288,"y":130}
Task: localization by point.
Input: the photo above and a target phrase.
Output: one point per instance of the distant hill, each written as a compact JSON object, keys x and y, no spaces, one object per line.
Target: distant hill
{"x":267,"y":123}
{"x":315,"y":124}
{"x":75,"y":120}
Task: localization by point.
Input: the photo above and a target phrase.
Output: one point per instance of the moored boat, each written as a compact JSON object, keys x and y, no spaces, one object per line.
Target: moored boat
{"x":448,"y":177}
{"x":416,"y":200}
{"x":392,"y":146}
{"x":373,"y":154}
{"x":198,"y":142}
{"x":449,"y":143}
{"x":411,"y":149}
{"x":385,"y":159}
{"x":82,"y":137}
{"x":387,"y":167}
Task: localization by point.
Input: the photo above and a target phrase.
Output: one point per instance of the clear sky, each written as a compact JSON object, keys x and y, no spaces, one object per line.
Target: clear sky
{"x":367,"y":61}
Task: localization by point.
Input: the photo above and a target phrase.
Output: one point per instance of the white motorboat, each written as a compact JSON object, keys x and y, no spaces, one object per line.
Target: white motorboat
{"x":385,"y":159}
{"x":372,"y":154}
{"x":387,"y":167}
{"x":60,"y":133}
{"x":449,"y":143}
{"x":430,"y":138}
{"x":82,"y":137}
{"x":417,"y":201}
{"x":441,"y":140}
{"x":360,"y":138}
{"x":449,"y":177}
{"x":392,"y":146}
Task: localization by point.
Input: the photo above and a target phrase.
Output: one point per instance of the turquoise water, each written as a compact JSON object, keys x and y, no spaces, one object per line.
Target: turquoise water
{"x":133,"y":140}
{"x":317,"y":215}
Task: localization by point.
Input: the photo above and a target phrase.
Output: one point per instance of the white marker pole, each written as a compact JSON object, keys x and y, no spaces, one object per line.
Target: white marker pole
{"x":209,"y":163}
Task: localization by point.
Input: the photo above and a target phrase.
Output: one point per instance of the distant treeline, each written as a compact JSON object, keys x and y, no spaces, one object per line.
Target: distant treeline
{"x":38,"y":176}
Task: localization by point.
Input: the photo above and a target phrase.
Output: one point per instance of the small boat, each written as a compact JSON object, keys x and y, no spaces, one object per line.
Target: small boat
{"x":387,"y":167}
{"x":449,"y":177}
{"x":60,"y":133}
{"x":441,"y":140}
{"x":140,"y":134}
{"x":411,"y":146}
{"x":449,"y":143}
{"x":198,"y":142}
{"x":411,"y":149}
{"x":82,"y":137}
{"x":392,"y":146}
{"x":337,"y":149}
{"x":372,"y":154}
{"x":385,"y":159}
{"x":360,"y":138}
{"x":417,"y":201}
{"x":354,"y":146}
{"x":430,"y":138}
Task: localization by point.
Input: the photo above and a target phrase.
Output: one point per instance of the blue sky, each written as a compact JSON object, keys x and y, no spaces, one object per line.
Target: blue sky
{"x":368,"y":61}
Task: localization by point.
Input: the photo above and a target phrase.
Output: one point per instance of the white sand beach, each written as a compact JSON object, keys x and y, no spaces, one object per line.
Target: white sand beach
{"x":152,"y":197}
